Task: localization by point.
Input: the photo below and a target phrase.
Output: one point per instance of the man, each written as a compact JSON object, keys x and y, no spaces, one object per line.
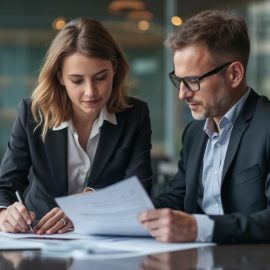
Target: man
{"x":221,"y":192}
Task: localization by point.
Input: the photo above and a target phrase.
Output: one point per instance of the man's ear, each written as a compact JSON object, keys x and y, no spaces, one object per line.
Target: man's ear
{"x":236,"y":73}
{"x":60,"y":77}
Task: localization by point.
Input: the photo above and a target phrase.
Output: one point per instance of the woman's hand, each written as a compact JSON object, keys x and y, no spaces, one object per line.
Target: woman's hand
{"x":16,"y":218}
{"x":54,"y":221}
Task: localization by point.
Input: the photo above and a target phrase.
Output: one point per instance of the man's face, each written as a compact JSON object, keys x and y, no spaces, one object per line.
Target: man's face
{"x":215,"y":97}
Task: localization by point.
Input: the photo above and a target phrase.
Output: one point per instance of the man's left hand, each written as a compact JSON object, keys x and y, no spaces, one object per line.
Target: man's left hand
{"x":168,"y":225}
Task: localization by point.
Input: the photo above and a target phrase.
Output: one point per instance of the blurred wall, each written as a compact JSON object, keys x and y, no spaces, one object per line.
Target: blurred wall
{"x":26,"y":31}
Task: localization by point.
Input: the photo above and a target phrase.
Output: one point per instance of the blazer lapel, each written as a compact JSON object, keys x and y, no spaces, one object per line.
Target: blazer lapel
{"x":56,"y":149}
{"x":240,"y":126}
{"x":108,"y":140}
{"x":194,"y":170}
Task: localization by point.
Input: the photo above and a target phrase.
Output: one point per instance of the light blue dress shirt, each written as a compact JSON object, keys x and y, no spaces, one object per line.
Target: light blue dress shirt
{"x":213,"y":162}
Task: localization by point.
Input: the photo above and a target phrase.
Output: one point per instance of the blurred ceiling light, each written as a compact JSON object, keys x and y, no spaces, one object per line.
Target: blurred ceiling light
{"x":143,"y":25}
{"x":59,"y":23}
{"x":122,"y":6}
{"x":140,"y":15}
{"x":176,"y":20}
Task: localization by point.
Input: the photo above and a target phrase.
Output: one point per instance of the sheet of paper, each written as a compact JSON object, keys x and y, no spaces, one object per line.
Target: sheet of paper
{"x":147,"y":245}
{"x":69,"y":235}
{"x":112,"y":210}
{"x":12,"y":244}
{"x":115,"y":247}
{"x":64,"y":236}
{"x":94,"y":246}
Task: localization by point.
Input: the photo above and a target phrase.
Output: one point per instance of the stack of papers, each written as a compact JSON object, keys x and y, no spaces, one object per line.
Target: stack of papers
{"x":65,"y":245}
{"x":100,"y":218}
{"x":12,"y":244}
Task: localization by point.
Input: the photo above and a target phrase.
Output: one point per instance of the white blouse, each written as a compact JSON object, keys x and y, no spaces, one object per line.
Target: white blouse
{"x":79,"y":162}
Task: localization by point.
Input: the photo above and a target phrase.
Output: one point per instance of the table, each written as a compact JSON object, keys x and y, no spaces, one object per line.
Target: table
{"x":216,"y":257}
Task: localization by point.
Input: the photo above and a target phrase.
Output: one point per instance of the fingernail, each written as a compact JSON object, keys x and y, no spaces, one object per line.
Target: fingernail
{"x":88,"y":189}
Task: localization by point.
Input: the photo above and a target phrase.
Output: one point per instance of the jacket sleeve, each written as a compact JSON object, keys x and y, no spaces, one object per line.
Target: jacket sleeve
{"x":16,"y":162}
{"x":240,"y":228}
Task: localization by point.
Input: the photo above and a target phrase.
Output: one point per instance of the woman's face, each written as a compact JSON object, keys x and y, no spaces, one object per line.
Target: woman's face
{"x":88,"y":82}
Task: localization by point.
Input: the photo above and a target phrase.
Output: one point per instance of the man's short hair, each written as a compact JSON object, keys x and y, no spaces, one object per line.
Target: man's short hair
{"x":224,"y":34}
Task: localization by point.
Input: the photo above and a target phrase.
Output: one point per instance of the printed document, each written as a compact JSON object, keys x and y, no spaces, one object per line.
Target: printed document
{"x":109,"y":211}
{"x":12,"y":244}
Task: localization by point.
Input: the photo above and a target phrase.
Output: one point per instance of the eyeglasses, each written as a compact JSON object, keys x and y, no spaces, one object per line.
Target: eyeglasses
{"x":193,"y":83}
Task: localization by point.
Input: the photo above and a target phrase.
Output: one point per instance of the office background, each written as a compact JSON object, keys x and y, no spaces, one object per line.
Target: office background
{"x":28,"y":26}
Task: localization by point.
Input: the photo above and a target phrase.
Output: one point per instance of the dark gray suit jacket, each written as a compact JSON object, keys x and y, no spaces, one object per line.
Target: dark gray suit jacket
{"x":245,"y":190}
{"x":123,"y":151}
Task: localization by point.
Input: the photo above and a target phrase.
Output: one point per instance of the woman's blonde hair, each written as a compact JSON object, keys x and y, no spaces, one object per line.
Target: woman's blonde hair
{"x":50,"y":103}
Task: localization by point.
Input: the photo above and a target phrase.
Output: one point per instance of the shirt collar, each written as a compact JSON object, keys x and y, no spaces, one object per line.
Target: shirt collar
{"x":104,"y":115}
{"x":229,"y":117}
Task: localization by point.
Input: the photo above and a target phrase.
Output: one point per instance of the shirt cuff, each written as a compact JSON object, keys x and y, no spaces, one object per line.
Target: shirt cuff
{"x":205,"y":227}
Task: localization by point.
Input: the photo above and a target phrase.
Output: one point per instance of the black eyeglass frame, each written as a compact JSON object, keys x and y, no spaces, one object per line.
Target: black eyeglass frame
{"x":176,"y":81}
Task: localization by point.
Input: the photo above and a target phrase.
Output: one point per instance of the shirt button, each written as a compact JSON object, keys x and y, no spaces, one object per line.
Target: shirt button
{"x":217,"y":205}
{"x":215,"y":172}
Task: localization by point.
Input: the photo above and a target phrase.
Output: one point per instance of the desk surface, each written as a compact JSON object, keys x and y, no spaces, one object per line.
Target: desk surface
{"x":218,"y":257}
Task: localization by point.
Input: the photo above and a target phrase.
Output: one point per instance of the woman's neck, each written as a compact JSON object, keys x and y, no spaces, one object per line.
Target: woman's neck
{"x":83,"y":126}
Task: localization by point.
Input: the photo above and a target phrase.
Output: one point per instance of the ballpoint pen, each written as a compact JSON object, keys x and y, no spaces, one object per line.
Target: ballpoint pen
{"x":21,"y":200}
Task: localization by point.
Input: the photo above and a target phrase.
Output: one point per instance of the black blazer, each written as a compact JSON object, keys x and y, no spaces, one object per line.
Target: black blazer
{"x":40,"y":169}
{"x":245,"y":190}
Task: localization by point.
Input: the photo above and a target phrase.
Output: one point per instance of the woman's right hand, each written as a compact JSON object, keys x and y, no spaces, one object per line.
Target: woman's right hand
{"x":15,"y":218}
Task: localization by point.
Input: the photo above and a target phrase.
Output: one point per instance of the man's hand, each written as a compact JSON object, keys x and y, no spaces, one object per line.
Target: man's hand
{"x":54,"y":221}
{"x":168,"y":225}
{"x":15,"y":218}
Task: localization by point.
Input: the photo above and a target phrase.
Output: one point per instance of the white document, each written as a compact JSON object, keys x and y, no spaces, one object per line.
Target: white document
{"x":62,"y":245}
{"x":145,"y":246}
{"x":57,"y":236}
{"x":94,"y":247}
{"x":109,"y":211}
{"x":12,"y":244}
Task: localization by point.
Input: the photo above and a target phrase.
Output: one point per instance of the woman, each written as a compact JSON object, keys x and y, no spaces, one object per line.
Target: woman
{"x":79,"y":130}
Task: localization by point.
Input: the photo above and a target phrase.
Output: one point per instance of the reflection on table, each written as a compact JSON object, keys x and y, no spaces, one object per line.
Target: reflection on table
{"x":216,"y":257}
{"x":27,"y":260}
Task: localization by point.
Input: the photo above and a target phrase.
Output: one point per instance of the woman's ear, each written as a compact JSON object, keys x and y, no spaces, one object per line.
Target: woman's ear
{"x":236,"y":73}
{"x":60,"y":77}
